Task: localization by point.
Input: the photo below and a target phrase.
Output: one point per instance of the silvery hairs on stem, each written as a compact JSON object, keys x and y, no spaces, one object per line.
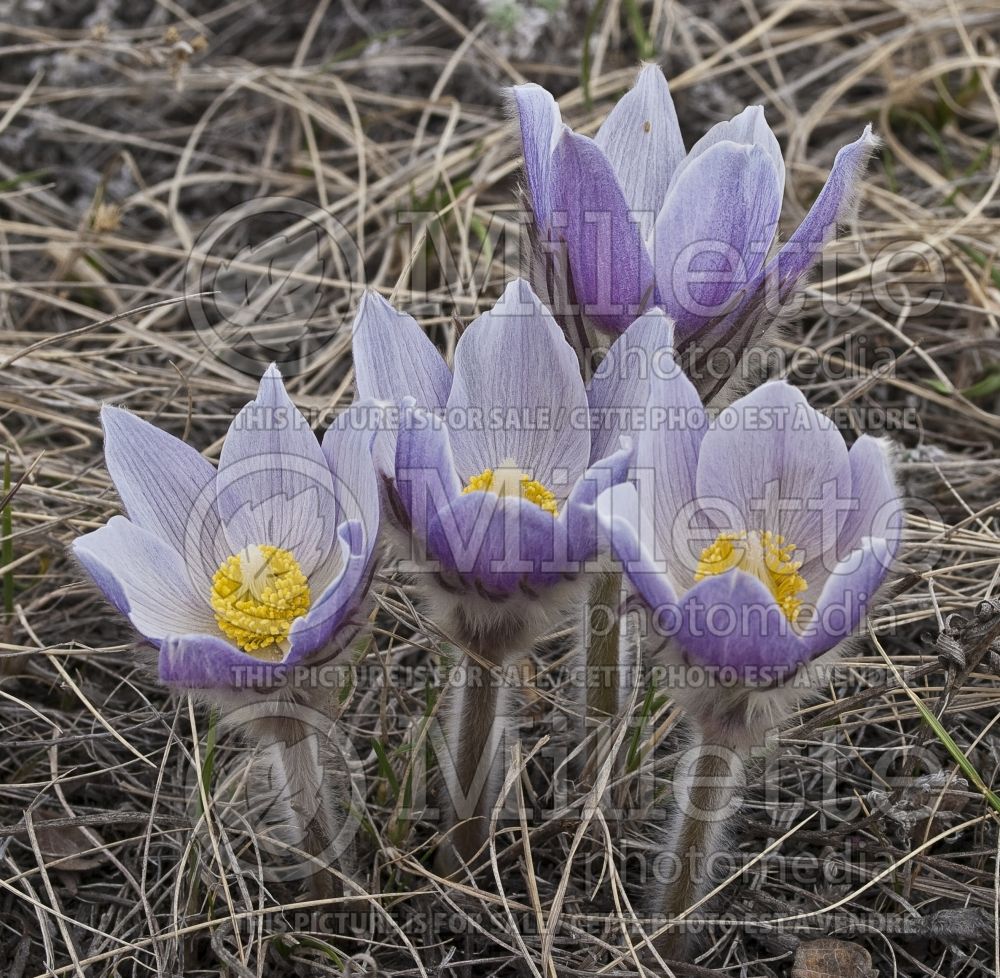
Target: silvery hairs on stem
{"x":490,"y":474}
{"x":248,"y":579}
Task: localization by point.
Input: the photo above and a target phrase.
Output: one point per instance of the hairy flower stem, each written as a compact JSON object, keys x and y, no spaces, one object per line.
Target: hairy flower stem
{"x":478,"y":730}
{"x":601,"y":666}
{"x":306,"y":769}
{"x":708,"y":783}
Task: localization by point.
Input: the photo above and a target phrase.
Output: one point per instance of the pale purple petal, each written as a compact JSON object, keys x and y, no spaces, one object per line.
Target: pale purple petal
{"x":880,"y":509}
{"x":274,"y":483}
{"x":425,"y":476}
{"x":334,"y":619}
{"x":518,"y":396}
{"x":206,"y":661}
{"x":347,"y":447}
{"x":540,"y":124}
{"x":580,"y":513}
{"x":749,"y":128}
{"x":714,"y":232}
{"x":771,"y":462}
{"x":642,"y":141}
{"x":847,"y":595}
{"x":145,"y":579}
{"x":394,"y":358}
{"x":833,"y":206}
{"x":626,"y":526}
{"x":732,"y":621}
{"x":498,"y":545}
{"x":167,"y":487}
{"x":611,"y":271}
{"x":619,"y":389}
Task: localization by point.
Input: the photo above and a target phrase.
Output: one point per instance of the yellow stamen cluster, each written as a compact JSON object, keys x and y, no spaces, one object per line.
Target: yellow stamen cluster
{"x":256,"y":595}
{"x":766,"y":556}
{"x":508,"y":480}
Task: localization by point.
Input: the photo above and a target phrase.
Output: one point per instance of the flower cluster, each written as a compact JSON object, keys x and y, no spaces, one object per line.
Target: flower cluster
{"x":505,"y":484}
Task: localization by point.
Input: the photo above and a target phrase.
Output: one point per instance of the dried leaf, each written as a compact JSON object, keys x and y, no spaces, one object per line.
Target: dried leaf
{"x":830,"y":958}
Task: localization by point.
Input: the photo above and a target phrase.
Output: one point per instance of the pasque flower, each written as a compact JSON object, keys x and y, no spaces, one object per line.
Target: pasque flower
{"x":492,"y":488}
{"x":239,"y":573}
{"x":646,"y":224}
{"x":757,"y":542}
{"x":247,"y":580}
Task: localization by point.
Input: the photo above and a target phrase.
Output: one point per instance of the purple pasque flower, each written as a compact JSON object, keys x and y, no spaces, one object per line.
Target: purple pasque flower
{"x":238,"y":573}
{"x":492,"y":472}
{"x":757,"y":540}
{"x":645,"y":224}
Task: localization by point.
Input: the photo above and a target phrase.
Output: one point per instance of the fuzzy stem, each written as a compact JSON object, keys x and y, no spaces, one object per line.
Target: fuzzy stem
{"x":477,"y":733}
{"x":707,"y":784}
{"x":309,"y":770}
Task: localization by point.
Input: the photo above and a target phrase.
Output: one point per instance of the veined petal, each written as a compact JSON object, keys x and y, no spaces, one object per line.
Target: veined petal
{"x":771,"y":462}
{"x":847,"y":595}
{"x":833,"y":206}
{"x":425,"y":476}
{"x":394,"y":358}
{"x":145,"y":579}
{"x":337,"y":607}
{"x":748,"y":128}
{"x":518,"y":396}
{"x":167,"y":487}
{"x":206,"y":661}
{"x":274,"y":483}
{"x":714,"y":231}
{"x":619,"y":390}
{"x":610,"y":267}
{"x":499,"y":545}
{"x":625,"y":524}
{"x":580,"y":511}
{"x":540,"y":124}
{"x":880,"y":510}
{"x":347,"y":447}
{"x":643,"y":144}
{"x":732,"y":621}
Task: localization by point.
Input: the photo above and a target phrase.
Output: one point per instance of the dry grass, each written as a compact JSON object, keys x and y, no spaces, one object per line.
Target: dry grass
{"x":118,"y":147}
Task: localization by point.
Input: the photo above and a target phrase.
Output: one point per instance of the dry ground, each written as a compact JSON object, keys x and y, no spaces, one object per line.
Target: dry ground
{"x":125,"y":129}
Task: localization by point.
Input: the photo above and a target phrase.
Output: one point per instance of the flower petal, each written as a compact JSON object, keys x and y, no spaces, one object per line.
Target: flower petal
{"x":643,"y":144}
{"x":337,"y":607}
{"x":145,"y":579}
{"x":580,"y":511}
{"x":622,"y":519}
{"x":425,"y":476}
{"x":347,"y":447}
{"x":832,"y":206}
{"x":499,"y":545}
{"x":880,"y":510}
{"x":167,"y":487}
{"x":394,"y":357}
{"x":847,"y":595}
{"x":518,"y":395}
{"x":206,"y":661}
{"x":619,"y":390}
{"x":274,"y":483}
{"x":714,"y":231}
{"x":748,"y":128}
{"x":610,"y":267}
{"x":771,"y":462}
{"x":540,"y":124}
{"x":732,"y":621}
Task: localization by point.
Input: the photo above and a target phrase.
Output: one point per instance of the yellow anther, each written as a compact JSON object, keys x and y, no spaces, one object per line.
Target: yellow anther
{"x":508,"y":480}
{"x":766,"y":556}
{"x":256,"y":595}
